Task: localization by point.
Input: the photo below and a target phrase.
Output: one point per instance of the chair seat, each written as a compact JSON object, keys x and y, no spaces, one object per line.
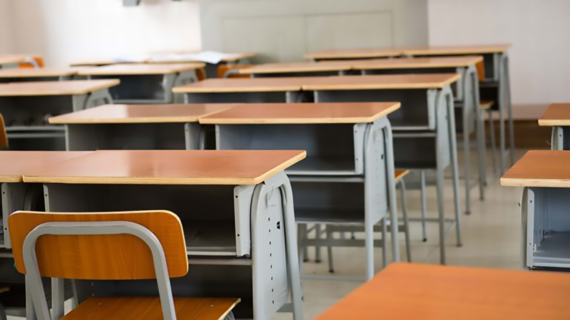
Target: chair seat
{"x":400,"y":173}
{"x":143,"y":308}
{"x":486,"y":104}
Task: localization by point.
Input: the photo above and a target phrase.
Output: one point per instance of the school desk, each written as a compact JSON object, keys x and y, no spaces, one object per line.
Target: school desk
{"x":36,"y":74}
{"x":137,"y":127}
{"x":557,"y":116}
{"x":424,"y":127}
{"x":145,"y":83}
{"x":495,"y":87}
{"x":19,"y":196}
{"x":545,"y":177}
{"x":348,"y":176}
{"x":466,"y":94}
{"x":26,"y":107}
{"x":235,"y":206}
{"x":421,"y":291}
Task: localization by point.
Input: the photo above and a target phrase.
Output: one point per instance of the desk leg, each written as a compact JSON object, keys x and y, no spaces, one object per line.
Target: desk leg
{"x":557,"y":139}
{"x":507,"y":97}
{"x":453,"y":146}
{"x":467,"y":155}
{"x":481,"y":148}
{"x":291,"y":238}
{"x":281,"y":183}
{"x":390,"y":172}
{"x":424,"y":204}
{"x":524,"y":222}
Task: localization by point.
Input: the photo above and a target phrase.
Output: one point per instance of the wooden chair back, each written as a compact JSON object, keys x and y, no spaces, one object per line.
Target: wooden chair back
{"x":480,"y":71}
{"x":224,"y":68}
{"x":3,"y":134}
{"x":100,"y":257}
{"x":27,"y":65}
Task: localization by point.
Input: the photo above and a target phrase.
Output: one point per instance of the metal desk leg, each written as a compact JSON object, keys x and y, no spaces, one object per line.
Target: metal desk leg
{"x":557,"y":139}
{"x":481,"y":149}
{"x":424,"y":203}
{"x":291,"y":239}
{"x":524,"y":221}
{"x":390,"y":172}
{"x":454,"y":166}
{"x":507,"y":88}
{"x":467,"y":155}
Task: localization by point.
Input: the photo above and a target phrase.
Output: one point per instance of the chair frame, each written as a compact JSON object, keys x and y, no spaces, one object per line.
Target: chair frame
{"x":33,"y":277}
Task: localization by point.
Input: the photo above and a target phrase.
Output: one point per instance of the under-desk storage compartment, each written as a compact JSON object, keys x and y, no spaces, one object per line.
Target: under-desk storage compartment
{"x":418,"y":150}
{"x":139,"y":136}
{"x":237,"y":97}
{"x":26,"y":118}
{"x":135,"y":88}
{"x":329,"y":200}
{"x":548,"y":233}
{"x":417,"y":111}
{"x":332,"y":149}
{"x":14,"y":197}
{"x":216,"y":219}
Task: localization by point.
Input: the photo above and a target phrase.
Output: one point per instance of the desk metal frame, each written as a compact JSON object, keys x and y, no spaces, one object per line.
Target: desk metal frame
{"x":440,"y":127}
{"x":373,"y":168}
{"x":265,"y":239}
{"x":467,"y":93}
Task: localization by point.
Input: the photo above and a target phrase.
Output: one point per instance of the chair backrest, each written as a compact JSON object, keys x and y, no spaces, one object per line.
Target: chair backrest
{"x":77,"y":255}
{"x":3,"y":134}
{"x":201,"y":74}
{"x":39,"y":63}
{"x":225,"y":68}
{"x":481,"y":71}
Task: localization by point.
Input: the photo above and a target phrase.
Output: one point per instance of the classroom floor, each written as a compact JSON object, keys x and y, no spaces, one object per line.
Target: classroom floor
{"x":491,"y":238}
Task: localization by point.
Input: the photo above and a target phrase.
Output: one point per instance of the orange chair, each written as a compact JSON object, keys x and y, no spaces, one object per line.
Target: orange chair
{"x":230,"y":71}
{"x":133,"y":245}
{"x":28,"y":65}
{"x":3,"y":134}
{"x":480,"y":71}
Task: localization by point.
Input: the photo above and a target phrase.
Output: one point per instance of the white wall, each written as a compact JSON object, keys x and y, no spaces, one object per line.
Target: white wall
{"x":6,"y":44}
{"x":70,"y":30}
{"x":538,"y":30}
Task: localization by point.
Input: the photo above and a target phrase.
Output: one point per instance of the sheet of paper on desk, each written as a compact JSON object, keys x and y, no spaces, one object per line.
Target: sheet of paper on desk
{"x":212,"y":57}
{"x":131,"y":58}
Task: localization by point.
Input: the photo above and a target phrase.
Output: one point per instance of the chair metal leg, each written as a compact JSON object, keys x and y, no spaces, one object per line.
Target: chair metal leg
{"x":493,"y":145}
{"x":406,"y":222}
{"x":318,"y":257}
{"x":329,"y":250}
{"x":384,"y":242}
{"x":454,"y":167}
{"x":424,"y":204}
{"x":301,"y":235}
{"x":507,"y":88}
